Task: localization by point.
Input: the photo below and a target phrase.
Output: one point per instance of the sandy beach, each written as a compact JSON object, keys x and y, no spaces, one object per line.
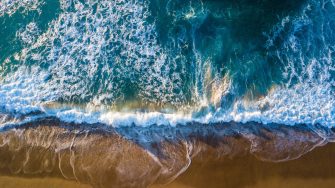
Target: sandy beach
{"x":315,"y":169}
{"x":219,"y":155}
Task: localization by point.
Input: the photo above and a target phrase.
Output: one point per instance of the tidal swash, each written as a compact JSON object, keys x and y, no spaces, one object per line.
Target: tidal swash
{"x":125,"y":93}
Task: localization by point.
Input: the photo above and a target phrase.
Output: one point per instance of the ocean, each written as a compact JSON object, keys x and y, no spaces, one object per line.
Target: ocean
{"x":153,"y":71}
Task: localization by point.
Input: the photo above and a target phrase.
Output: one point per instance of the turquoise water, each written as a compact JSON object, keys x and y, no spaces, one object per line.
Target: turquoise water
{"x":168,"y":61}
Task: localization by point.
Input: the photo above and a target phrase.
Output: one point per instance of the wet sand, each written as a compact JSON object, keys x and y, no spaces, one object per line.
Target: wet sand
{"x":50,"y":153}
{"x":16,"y":182}
{"x":315,"y":169}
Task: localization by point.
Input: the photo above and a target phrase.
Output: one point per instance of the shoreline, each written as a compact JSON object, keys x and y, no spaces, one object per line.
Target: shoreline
{"x":314,"y":169}
{"x":102,"y":156}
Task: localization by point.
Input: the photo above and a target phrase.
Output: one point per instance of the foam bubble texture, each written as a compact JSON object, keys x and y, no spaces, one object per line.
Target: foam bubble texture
{"x":97,"y":50}
{"x":9,"y":7}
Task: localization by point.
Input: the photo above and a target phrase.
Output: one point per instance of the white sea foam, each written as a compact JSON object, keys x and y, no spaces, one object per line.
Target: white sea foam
{"x":9,"y":7}
{"x":96,"y":49}
{"x":23,"y":91}
{"x":300,"y":104}
{"x":29,"y":34}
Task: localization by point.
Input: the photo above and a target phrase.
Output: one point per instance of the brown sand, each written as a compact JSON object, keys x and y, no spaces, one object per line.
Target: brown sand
{"x":15,"y":182}
{"x":316,"y":169}
{"x":52,"y":154}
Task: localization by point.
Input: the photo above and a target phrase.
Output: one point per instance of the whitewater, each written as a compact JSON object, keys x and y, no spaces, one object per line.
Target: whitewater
{"x":114,"y":62}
